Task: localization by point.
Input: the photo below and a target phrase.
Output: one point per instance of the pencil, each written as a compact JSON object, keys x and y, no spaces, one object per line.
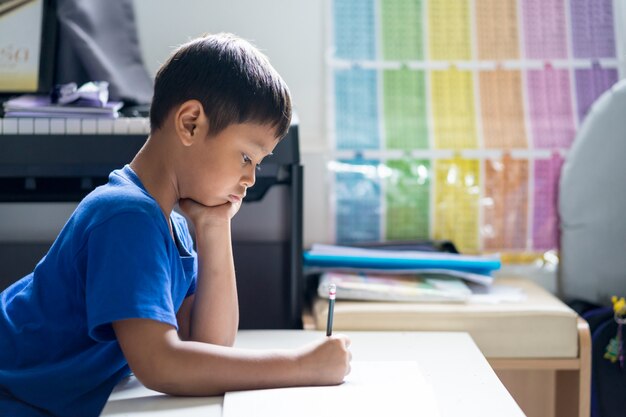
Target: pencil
{"x":332,"y":290}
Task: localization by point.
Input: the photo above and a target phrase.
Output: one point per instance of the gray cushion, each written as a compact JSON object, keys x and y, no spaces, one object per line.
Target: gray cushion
{"x":592,"y":203}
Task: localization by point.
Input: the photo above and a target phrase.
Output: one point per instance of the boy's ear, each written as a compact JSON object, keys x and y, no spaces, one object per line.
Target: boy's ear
{"x":190,"y":122}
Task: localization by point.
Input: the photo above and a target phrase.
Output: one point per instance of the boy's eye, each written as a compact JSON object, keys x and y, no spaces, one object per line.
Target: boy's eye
{"x":247,"y":160}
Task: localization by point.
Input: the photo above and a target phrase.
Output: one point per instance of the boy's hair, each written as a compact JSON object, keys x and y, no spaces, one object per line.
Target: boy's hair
{"x":232,"y":79}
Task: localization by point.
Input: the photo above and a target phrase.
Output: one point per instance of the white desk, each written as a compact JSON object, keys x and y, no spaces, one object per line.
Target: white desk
{"x":462,"y":380}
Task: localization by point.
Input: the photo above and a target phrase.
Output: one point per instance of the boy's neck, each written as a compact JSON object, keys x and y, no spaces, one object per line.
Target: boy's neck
{"x":152,"y":166}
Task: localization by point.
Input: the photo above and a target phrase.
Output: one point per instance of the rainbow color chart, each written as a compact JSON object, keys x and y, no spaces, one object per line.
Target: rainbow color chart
{"x":451,"y":119}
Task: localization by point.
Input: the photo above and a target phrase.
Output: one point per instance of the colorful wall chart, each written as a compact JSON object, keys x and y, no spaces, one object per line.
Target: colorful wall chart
{"x":451,"y":119}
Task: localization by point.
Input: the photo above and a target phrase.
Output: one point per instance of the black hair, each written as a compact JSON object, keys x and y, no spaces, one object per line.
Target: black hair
{"x":232,"y":79}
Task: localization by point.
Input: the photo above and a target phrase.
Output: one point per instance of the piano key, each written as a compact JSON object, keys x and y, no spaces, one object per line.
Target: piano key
{"x":73,"y":126}
{"x":136,"y":125}
{"x":120,"y":126}
{"x":42,"y":126}
{"x":89,"y":126}
{"x":57,"y":126}
{"x":105,"y":126}
{"x":25,"y":126}
{"x":9,"y":127}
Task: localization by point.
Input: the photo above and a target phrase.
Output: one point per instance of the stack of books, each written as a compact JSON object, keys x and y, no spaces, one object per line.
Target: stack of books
{"x":30,"y":105}
{"x":390,"y":287}
{"x":406,"y":275}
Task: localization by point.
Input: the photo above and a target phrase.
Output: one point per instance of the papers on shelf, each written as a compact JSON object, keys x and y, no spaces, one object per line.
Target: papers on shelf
{"x":30,"y":105}
{"x":496,"y":294}
{"x":389,"y":287}
{"x":390,"y":388}
{"x":466,"y":276}
{"x":421,"y":287}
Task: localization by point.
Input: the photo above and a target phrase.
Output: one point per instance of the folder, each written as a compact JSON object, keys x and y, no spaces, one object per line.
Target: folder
{"x":330,"y":256}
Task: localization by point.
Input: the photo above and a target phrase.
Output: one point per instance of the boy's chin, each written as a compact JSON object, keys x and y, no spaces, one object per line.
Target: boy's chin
{"x":214,"y":202}
{"x":208,"y":202}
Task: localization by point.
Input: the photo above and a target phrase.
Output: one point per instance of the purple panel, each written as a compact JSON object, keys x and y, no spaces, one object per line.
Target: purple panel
{"x":550,"y":103}
{"x":545,"y":214}
{"x":590,"y":84}
{"x":544,"y":29}
{"x":593,"y":34}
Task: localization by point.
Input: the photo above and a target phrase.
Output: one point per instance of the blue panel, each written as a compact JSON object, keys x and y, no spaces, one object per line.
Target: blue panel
{"x":354,"y":29}
{"x":357,"y":195}
{"x":356,"y":109}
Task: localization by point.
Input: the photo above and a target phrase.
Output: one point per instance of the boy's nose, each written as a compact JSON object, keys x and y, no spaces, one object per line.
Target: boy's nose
{"x":249,"y":178}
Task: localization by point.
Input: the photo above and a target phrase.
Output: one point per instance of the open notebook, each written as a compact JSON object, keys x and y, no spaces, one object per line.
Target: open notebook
{"x":384,"y":388}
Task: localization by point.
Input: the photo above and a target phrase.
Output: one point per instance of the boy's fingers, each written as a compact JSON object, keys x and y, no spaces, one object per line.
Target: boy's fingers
{"x":346,"y":341}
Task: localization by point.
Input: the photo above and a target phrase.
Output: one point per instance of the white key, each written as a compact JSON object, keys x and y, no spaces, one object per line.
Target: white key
{"x":73,"y":126}
{"x":9,"y":126}
{"x":120,"y":126}
{"x":89,"y":126}
{"x":57,"y":126}
{"x":42,"y":126}
{"x":135,"y":125}
{"x":25,"y":126}
{"x":105,"y":126}
{"x":146,"y":125}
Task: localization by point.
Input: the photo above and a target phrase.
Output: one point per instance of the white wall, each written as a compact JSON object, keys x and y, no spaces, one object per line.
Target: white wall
{"x":290,"y":32}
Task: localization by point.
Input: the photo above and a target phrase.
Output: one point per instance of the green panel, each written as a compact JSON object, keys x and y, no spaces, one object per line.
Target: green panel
{"x":402,"y":29}
{"x":404,"y":95}
{"x":408,"y":199}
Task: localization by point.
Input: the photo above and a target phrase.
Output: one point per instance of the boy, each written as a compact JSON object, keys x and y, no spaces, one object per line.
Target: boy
{"x":121,"y":288}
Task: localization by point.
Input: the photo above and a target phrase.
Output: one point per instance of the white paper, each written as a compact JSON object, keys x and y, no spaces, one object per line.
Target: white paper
{"x":323,"y":249}
{"x":496,"y":294}
{"x":467,"y":276}
{"x":387,"y":388}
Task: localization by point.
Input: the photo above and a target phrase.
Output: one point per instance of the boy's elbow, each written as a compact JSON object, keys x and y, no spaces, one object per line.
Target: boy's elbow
{"x":164,"y":386}
{"x":164,"y":382}
{"x":153,"y":378}
{"x":167,"y":373}
{"x":167,"y":384}
{"x":158,"y":373}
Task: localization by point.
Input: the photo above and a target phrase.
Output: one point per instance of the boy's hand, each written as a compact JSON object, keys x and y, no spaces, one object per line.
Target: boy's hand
{"x":325,"y":362}
{"x":202,"y":215}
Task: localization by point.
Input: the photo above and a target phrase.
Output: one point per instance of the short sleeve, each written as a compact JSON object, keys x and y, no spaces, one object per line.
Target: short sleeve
{"x":128,"y":274}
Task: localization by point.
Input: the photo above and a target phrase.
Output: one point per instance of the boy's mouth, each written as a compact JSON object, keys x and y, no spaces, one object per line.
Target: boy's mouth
{"x":235,"y":198}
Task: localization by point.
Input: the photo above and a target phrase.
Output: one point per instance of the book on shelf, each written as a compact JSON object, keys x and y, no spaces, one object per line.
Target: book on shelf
{"x":402,"y":288}
{"x":349,"y":259}
{"x":31,"y":105}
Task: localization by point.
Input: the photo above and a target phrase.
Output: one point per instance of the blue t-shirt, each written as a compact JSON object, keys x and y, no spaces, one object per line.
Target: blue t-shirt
{"x":114,"y":259}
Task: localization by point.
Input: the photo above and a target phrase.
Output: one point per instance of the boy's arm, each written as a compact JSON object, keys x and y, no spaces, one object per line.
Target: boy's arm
{"x":163,"y":362}
{"x":212,"y":314}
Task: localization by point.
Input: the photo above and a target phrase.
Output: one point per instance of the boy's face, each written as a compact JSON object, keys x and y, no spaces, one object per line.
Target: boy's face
{"x":221,"y":168}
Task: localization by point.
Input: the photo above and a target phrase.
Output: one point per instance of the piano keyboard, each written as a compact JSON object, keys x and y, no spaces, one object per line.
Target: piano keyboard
{"x":61,"y":126}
